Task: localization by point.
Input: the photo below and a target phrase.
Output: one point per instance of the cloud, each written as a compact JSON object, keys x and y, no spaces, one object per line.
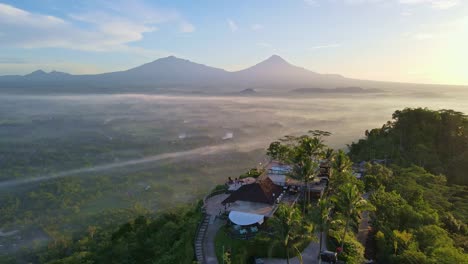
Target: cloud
{"x":264,"y":45}
{"x":333,"y":45}
{"x":436,"y":4}
{"x":423,"y":36}
{"x":406,"y":13}
{"x":256,"y":27}
{"x":452,"y":29}
{"x":186,"y":27}
{"x":311,"y":2}
{"x":232,"y":25}
{"x":12,"y":60}
{"x":112,"y":28}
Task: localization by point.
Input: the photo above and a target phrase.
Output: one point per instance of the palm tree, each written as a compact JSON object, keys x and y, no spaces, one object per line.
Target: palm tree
{"x":322,"y":218}
{"x":304,"y":170}
{"x":289,"y":226}
{"x":341,"y":162}
{"x":328,"y":154}
{"x":312,"y":147}
{"x":350,"y":203}
{"x":305,"y":158}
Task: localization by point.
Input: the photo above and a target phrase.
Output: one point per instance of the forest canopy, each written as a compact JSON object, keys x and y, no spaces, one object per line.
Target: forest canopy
{"x":435,"y":140}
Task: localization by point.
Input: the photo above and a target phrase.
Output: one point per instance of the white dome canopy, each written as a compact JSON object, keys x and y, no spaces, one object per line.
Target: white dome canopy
{"x":244,"y":219}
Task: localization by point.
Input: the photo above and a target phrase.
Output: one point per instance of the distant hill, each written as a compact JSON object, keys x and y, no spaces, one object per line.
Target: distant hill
{"x":175,"y":75}
{"x":353,"y":90}
{"x":248,"y":91}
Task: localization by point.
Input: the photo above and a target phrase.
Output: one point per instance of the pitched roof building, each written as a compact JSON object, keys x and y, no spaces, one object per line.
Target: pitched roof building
{"x":264,"y":191}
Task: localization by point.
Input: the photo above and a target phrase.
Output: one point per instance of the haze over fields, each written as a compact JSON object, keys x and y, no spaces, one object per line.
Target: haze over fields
{"x":113,"y":146}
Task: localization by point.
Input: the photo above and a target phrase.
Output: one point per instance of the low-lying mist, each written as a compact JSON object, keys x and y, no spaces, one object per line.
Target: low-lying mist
{"x":176,"y":126}
{"x":74,"y":158}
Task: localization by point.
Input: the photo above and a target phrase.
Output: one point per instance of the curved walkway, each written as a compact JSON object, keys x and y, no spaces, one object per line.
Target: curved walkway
{"x":209,"y":242}
{"x":309,"y":255}
{"x":213,"y":208}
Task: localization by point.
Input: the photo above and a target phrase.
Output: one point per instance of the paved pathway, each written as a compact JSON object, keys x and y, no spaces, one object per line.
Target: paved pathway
{"x":209,"y":241}
{"x":309,"y":255}
{"x":213,"y":207}
{"x":364,"y":224}
{"x":363,"y":228}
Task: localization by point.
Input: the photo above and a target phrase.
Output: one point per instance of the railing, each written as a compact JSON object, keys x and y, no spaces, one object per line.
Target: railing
{"x":200,"y":259}
{"x":214,"y":193}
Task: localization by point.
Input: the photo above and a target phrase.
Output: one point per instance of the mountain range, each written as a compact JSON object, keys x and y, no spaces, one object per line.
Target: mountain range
{"x":172,"y":74}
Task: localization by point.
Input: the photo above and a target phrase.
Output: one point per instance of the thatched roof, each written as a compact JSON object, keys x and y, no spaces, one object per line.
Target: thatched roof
{"x":260,"y":192}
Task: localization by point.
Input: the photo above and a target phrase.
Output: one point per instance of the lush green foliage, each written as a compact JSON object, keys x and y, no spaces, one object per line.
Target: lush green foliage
{"x":347,"y":204}
{"x":302,"y":153}
{"x":435,"y":140}
{"x":339,"y":215}
{"x":290,"y":228}
{"x":415,"y":218}
{"x":167,"y":238}
{"x":419,"y":218}
{"x":287,"y":233}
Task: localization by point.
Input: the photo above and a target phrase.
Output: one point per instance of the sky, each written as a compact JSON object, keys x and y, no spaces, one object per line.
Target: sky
{"x":420,"y":41}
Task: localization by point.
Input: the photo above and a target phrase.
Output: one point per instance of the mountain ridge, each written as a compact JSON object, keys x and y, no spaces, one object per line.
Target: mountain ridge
{"x":173,"y":74}
{"x":272,"y":60}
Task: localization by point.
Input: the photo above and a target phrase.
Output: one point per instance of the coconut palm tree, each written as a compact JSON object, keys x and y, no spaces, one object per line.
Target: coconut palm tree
{"x":341,"y":162}
{"x":304,"y":170}
{"x":305,"y":159}
{"x":350,"y":203}
{"x":311,"y":146}
{"x":289,"y":226}
{"x":328,"y":154}
{"x":322,"y":218}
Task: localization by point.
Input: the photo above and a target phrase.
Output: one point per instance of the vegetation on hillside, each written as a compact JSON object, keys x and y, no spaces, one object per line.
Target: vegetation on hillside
{"x":416,"y":214}
{"x":337,"y":213}
{"x":166,"y":238}
{"x":344,"y":203}
{"x":435,"y":140}
{"x":418,"y":218}
{"x":286,"y":235}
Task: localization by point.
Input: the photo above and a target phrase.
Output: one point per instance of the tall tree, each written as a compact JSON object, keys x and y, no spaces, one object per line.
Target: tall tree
{"x":305,"y":170}
{"x":305,"y":158}
{"x":321,"y":217}
{"x":350,"y":203}
{"x":341,"y":162}
{"x":289,"y":227}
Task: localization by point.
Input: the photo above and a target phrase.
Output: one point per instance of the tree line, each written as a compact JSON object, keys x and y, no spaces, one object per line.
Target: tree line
{"x":435,"y":140}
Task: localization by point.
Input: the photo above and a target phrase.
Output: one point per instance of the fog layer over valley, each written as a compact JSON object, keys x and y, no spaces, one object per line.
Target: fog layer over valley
{"x":71,"y":161}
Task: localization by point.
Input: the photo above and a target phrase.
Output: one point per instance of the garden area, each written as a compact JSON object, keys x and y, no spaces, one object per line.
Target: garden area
{"x":268,"y":243}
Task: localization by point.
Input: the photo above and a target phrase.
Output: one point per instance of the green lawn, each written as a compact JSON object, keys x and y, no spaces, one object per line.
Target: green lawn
{"x":242,"y":251}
